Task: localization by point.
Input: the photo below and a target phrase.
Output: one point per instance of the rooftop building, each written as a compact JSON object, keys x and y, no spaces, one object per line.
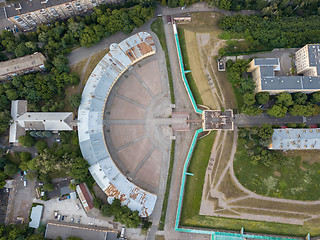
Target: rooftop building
{"x":90,"y":125}
{"x":65,"y":230}
{"x":216,"y":119}
{"x":33,"y":62}
{"x":85,"y":196}
{"x":31,"y":13}
{"x":295,"y":139}
{"x":22,"y":120}
{"x":36,"y":215}
{"x":307,"y":62}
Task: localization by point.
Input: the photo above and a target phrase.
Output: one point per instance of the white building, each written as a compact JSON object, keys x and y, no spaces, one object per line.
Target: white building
{"x":22,"y":121}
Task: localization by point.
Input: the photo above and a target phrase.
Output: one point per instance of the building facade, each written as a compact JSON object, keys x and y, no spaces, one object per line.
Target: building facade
{"x":264,"y":73}
{"x":29,"y":63}
{"x":308,"y":60}
{"x":31,"y":13}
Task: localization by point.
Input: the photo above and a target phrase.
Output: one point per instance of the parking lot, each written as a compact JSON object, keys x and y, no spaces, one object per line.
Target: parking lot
{"x":68,"y":208}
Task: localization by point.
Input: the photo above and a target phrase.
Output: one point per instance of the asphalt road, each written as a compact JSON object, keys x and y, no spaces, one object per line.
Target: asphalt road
{"x":242,"y":120}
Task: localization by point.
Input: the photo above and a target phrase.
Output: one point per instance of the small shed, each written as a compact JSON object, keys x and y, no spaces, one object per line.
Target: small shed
{"x":36,"y":215}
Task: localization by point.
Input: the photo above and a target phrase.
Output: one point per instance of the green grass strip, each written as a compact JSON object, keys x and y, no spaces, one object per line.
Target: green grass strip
{"x":157,"y":28}
{"x":166,"y":195}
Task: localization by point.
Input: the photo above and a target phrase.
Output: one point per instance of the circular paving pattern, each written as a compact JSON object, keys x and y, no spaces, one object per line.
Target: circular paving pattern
{"x":136,"y":140}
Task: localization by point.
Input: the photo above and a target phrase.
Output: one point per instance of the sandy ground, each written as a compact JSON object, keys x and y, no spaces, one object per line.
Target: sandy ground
{"x":197,"y":71}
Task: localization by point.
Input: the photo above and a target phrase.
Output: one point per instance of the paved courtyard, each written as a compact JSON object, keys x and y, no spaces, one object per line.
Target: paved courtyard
{"x":135,"y":139}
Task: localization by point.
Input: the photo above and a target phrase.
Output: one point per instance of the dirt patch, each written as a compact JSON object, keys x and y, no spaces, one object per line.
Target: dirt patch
{"x":227,"y":212}
{"x":197,"y":70}
{"x":309,"y":156}
{"x":229,"y":188}
{"x":277,"y":174}
{"x":273,"y":205}
{"x":271,"y":213}
{"x":225,"y":155}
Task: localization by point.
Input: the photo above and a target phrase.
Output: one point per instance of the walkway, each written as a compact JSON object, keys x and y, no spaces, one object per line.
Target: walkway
{"x":242,"y":120}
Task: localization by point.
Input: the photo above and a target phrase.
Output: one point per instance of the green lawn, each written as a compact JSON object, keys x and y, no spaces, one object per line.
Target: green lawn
{"x":285,"y":179}
{"x":157,"y":28}
{"x":194,"y":184}
{"x":192,"y":83}
{"x":193,"y":192}
{"x":166,"y":195}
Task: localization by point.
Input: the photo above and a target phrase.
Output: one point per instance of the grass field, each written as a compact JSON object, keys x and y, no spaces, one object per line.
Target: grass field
{"x":157,"y":28}
{"x":166,"y":194}
{"x":277,"y":180}
{"x":194,"y":184}
{"x":193,"y":86}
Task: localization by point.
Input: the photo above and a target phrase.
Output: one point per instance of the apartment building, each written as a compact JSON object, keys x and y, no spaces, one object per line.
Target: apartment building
{"x":29,"y":63}
{"x":264,"y":73}
{"x":308,"y":60}
{"x":28,"y":14}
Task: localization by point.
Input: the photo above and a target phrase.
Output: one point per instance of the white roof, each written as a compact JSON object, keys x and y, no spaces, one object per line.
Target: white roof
{"x":36,"y":214}
{"x":296,"y":139}
{"x":23,"y":120}
{"x":52,"y":121}
{"x":90,"y":116}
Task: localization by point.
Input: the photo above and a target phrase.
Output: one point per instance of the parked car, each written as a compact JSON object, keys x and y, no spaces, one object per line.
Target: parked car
{"x":59,"y":217}
{"x":78,"y":220}
{"x":41,"y":183}
{"x":78,"y":207}
{"x":123,"y":231}
{"x":72,"y":220}
{"x":64,"y":197}
{"x":21,"y":176}
{"x":62,"y":218}
{"x":25,"y":183}
{"x":55,"y":215}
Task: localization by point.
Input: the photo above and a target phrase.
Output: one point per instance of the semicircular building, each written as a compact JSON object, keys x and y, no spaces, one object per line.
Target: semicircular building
{"x":90,"y":122}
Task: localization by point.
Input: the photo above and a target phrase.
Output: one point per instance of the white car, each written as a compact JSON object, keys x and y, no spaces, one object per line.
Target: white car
{"x":25,"y":183}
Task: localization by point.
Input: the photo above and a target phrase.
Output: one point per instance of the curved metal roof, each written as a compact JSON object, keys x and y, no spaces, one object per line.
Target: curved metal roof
{"x":90,"y":124}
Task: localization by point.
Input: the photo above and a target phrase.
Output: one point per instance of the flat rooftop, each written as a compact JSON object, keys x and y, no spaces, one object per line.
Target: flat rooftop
{"x":31,"y":6}
{"x":216,"y":119}
{"x":295,"y":139}
{"x":65,"y":230}
{"x":270,"y":82}
{"x":21,"y":64}
{"x":314,"y":56}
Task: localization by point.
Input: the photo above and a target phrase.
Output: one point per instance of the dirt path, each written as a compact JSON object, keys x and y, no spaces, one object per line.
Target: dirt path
{"x":223,"y":207}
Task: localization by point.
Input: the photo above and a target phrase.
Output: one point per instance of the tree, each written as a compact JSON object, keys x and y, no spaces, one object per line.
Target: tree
{"x":10,"y":169}
{"x":284,"y":99}
{"x":74,"y":238}
{"x":75,"y":100}
{"x":12,"y":94}
{"x":79,"y":169}
{"x":26,"y":140}
{"x":277,"y":111}
{"x":262,"y":97}
{"x":97,"y":202}
{"x":25,"y":156}
{"x":265,"y":132}
{"x":249,"y":99}
{"x":47,"y":187}
{"x":106,"y":210}
{"x":5,"y":119}
{"x":299,"y":98}
{"x":315,"y":97}
{"x":41,"y":145}
{"x":60,"y":62}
